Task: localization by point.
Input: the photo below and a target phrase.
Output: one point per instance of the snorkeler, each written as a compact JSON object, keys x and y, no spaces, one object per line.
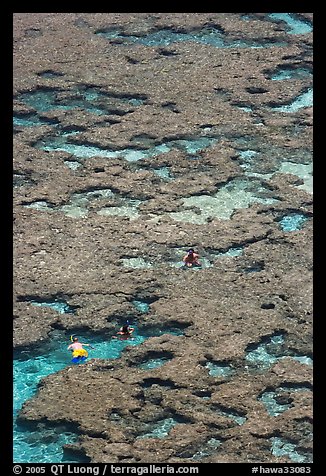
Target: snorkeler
{"x":125,"y":332}
{"x":78,"y":351}
{"x":191,"y":258}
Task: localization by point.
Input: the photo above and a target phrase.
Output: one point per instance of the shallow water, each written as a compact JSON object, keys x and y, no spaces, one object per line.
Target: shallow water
{"x":73,"y":164}
{"x":295,"y":26}
{"x":231,"y":252}
{"x":136,"y":263}
{"x":281,"y":447}
{"x":238,"y":193}
{"x":293,"y":222}
{"x":129,"y":210}
{"x":285,"y":73}
{"x":31,"y":366}
{"x":209,"y":36}
{"x":153,"y":363}
{"x":141,"y":306}
{"x":163,"y":172}
{"x":303,"y":171}
{"x":189,"y":146}
{"x":92,"y":100}
{"x":269,"y":398}
{"x":240,"y":420}
{"x":206,"y":261}
{"x":305,"y":99}
{"x":30,"y":120}
{"x":208,"y":449}
{"x":219,"y":369}
{"x":160,"y":429}
{"x":60,"y":306}
{"x":79,"y":204}
{"x":250,"y":162}
{"x":46,"y":445}
{"x":264,"y":355}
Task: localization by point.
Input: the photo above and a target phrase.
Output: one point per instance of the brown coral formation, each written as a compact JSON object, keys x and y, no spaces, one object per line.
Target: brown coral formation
{"x":150,"y":96}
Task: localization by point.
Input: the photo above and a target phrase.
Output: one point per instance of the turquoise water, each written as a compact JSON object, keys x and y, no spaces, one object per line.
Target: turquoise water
{"x":41,"y":101}
{"x":247,"y":154}
{"x":31,"y":120}
{"x":272,"y":406}
{"x":295,"y":25}
{"x":141,"y":306}
{"x":303,"y":100}
{"x":178,"y":263}
{"x":163,"y":172}
{"x":245,"y":108}
{"x":267,"y":353}
{"x":44,"y":445}
{"x":164,"y":37}
{"x":206,"y":262}
{"x":79,"y":203}
{"x":251,"y":160}
{"x":88,"y":99}
{"x":303,"y":359}
{"x":264,"y":355}
{"x":281,"y":447}
{"x":237,"y":193}
{"x":60,"y":306}
{"x":269,"y":398}
{"x":219,"y":369}
{"x":189,"y":146}
{"x":231,"y":252}
{"x":153,"y":363}
{"x":208,"y":449}
{"x":303,"y":171}
{"x":40,"y":205}
{"x":30,"y":366}
{"x":160,"y":429}
{"x":293,"y":222}
{"x":240,"y":420}
{"x":290,"y":73}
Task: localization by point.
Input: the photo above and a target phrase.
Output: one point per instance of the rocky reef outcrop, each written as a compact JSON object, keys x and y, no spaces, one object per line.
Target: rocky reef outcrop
{"x":128,"y":146}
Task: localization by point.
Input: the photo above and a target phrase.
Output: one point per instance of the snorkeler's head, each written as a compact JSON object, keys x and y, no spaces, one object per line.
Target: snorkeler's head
{"x":190,"y":251}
